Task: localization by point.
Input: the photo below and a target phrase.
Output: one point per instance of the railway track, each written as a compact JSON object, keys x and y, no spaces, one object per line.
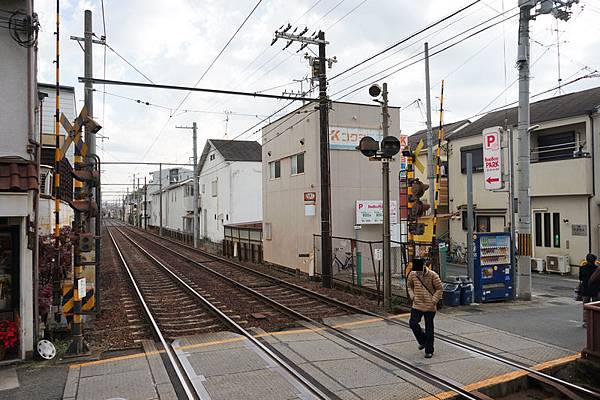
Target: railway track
{"x":152,"y":280}
{"x":271,"y":290}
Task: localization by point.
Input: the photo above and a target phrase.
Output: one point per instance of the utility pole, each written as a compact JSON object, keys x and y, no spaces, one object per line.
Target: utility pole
{"x":430,"y":173}
{"x":470,"y":219}
{"x":195,"y":225}
{"x":326,"y":246}
{"x":160,"y":224}
{"x":523,"y":281}
{"x":321,"y":70}
{"x":145,"y":204}
{"x":88,"y":95}
{"x":561,"y":11}
{"x":385,"y":171}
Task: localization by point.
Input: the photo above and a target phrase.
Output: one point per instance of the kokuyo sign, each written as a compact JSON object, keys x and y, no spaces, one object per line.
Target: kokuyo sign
{"x":492,"y":158}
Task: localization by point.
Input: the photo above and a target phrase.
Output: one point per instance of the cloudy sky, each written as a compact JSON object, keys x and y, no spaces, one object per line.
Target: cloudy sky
{"x":174,"y":42}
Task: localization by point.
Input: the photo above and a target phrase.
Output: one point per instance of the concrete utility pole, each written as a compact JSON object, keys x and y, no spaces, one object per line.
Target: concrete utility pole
{"x":160,"y":224}
{"x":326,"y":246}
{"x":430,"y":172}
{"x":523,"y":281}
{"x":470,"y":219}
{"x":561,"y":11}
{"x":195,"y":224}
{"x":385,"y":171}
{"x":145,"y":204}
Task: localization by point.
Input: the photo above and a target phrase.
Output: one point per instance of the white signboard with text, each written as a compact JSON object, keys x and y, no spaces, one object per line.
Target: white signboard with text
{"x":370,"y":212}
{"x":342,"y":138}
{"x":492,"y":158}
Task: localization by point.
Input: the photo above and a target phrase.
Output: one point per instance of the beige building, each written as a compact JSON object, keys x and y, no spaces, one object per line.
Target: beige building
{"x":291,"y":182}
{"x":563,"y":181}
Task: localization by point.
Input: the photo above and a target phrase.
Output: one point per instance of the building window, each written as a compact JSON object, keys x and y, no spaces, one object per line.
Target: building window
{"x":547,"y":227}
{"x":212,"y":157}
{"x":556,"y":229}
{"x":483,"y":224}
{"x":477,"y":155}
{"x":203,"y":188}
{"x":538,"y":229}
{"x":275,"y":169}
{"x":557,"y":146}
{"x":214,"y":188}
{"x":297,"y":164}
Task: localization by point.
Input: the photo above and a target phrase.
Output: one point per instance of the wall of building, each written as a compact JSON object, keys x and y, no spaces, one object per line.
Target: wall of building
{"x":353,"y":177}
{"x":238,"y":197}
{"x":14,"y":122}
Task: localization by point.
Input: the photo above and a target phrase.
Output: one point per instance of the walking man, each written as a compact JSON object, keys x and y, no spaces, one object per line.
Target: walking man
{"x":425,"y":291}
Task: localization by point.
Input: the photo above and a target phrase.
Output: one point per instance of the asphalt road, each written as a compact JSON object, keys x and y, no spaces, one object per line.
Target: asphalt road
{"x":552,"y":316}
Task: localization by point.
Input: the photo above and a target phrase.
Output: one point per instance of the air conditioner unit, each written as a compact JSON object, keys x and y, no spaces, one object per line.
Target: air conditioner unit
{"x":560,"y":264}
{"x":538,"y":265}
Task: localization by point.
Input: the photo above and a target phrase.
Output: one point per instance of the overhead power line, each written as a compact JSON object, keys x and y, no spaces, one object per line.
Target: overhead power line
{"x":370,"y":78}
{"x":405,"y":39}
{"x":220,"y":53}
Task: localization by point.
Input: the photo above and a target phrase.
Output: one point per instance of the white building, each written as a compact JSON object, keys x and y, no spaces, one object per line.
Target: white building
{"x":18,"y":176}
{"x":230,"y":185}
{"x":177,"y":204}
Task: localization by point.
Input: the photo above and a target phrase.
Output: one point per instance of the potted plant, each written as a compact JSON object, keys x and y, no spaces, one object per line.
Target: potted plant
{"x":9,"y":333}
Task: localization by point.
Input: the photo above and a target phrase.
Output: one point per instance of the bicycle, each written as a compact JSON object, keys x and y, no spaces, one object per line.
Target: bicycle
{"x":348,"y":263}
{"x":458,"y":255}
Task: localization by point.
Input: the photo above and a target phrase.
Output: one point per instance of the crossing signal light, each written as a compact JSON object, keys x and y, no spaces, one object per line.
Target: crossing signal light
{"x":418,"y":189}
{"x":368,"y":146}
{"x":418,"y":207}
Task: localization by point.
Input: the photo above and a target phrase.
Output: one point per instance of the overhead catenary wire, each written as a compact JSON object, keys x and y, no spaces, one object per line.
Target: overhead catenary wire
{"x":202,"y":76}
{"x":371,"y":80}
{"x":404,"y":40}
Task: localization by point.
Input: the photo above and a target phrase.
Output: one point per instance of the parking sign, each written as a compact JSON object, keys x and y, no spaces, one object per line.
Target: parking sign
{"x":492,"y":158}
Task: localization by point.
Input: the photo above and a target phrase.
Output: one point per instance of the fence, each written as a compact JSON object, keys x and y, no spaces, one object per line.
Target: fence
{"x":592,"y":349}
{"x":357,"y":263}
{"x":243,"y":242}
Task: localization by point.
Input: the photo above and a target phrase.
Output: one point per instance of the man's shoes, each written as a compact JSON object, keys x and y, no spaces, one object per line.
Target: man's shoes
{"x":428,"y":355}
{"x":421,"y":347}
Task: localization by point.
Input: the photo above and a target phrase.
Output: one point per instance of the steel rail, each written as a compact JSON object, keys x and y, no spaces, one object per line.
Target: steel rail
{"x":427,"y":376}
{"x":180,"y":375}
{"x":441,"y":337}
{"x":302,"y":380}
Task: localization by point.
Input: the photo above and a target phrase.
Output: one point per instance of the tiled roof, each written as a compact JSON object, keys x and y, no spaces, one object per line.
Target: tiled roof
{"x":565,"y":106}
{"x":17,"y":175}
{"x":238,"y":150}
{"x":448,"y":129}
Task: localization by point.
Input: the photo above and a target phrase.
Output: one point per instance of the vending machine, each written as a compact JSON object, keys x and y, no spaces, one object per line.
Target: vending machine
{"x":493,"y":267}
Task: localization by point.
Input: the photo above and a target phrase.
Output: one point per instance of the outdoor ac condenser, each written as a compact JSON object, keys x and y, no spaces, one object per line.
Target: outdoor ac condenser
{"x":538,"y":265}
{"x":559,"y":264}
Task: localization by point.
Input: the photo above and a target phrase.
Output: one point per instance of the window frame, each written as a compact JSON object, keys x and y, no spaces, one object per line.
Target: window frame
{"x":274,"y":169}
{"x":295,"y":163}
{"x":477,"y":151}
{"x":214,"y":187}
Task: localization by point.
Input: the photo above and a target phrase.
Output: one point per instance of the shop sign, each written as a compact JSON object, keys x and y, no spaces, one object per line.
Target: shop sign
{"x":342,"y":138}
{"x":370,"y":212}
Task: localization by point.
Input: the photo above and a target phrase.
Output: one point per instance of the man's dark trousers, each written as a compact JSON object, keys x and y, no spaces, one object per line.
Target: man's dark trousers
{"x":424,"y":338}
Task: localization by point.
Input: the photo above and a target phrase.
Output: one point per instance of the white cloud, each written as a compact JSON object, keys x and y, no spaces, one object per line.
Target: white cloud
{"x":174,"y":42}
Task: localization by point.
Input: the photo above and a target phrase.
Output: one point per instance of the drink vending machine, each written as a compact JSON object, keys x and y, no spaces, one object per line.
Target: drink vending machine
{"x":493,"y":267}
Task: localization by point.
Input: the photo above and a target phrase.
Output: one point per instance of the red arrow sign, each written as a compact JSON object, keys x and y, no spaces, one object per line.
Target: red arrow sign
{"x":490,"y":179}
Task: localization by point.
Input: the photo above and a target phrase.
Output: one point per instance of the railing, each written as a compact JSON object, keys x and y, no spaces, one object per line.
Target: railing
{"x":243,"y":243}
{"x":592,"y":349}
